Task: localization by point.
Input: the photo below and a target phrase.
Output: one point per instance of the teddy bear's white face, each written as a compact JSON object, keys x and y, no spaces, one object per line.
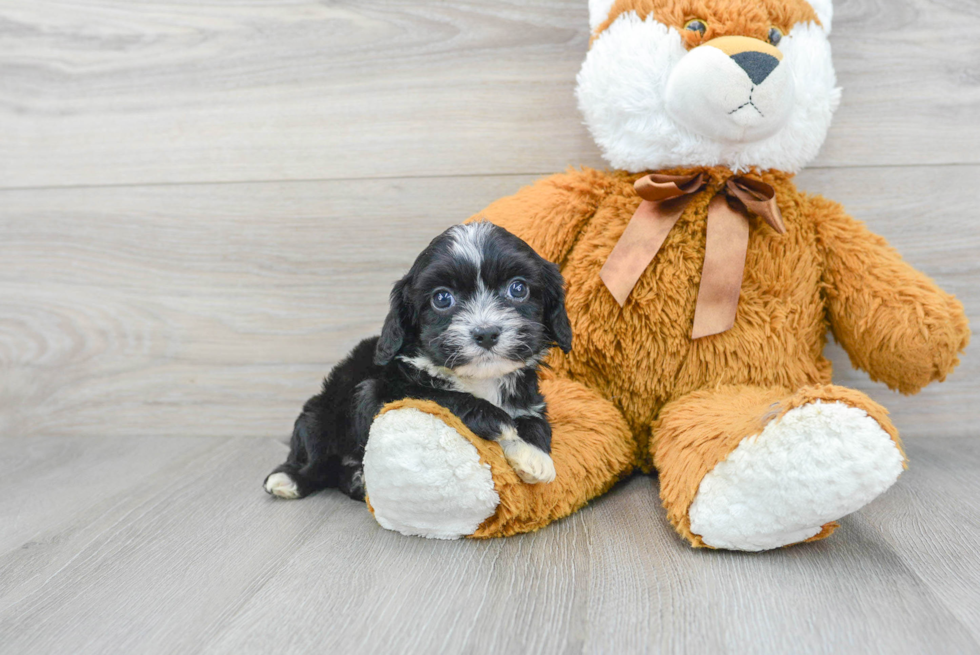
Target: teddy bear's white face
{"x":742,"y":84}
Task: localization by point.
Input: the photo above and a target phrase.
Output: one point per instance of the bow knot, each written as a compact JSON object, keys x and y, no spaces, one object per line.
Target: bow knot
{"x":664,"y":199}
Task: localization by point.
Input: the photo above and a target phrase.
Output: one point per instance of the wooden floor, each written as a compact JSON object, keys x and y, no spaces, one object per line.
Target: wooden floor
{"x":169,"y":545}
{"x":203,"y":206}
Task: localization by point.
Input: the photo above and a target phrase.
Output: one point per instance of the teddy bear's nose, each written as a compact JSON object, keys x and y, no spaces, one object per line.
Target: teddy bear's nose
{"x":757,"y":65}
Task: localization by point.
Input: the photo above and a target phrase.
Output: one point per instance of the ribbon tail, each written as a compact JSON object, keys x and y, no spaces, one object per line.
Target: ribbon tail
{"x":760,"y":199}
{"x":638,"y":245}
{"x":724,"y":262}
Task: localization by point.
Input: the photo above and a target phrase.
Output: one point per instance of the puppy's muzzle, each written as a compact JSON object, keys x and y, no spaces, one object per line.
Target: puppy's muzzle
{"x":486,"y":337}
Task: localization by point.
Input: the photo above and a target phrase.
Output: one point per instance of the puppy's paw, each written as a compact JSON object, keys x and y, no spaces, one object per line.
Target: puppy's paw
{"x":531,"y":464}
{"x":281,"y":486}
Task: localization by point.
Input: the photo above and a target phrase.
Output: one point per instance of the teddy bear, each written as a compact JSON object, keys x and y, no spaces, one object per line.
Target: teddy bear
{"x":701,"y":288}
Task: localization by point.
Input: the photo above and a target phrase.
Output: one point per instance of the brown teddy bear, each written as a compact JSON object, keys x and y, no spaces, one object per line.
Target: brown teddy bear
{"x":701,"y":287}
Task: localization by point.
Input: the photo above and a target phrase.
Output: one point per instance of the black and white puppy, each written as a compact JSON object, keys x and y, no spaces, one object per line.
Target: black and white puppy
{"x":468,"y":326}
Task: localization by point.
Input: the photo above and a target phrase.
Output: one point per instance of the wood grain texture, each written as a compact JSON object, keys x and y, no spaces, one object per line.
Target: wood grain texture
{"x":216,"y":309}
{"x":115,"y":92}
{"x":171,"y":289}
{"x":196,"y":558}
{"x":940,"y":488}
{"x":200,"y":309}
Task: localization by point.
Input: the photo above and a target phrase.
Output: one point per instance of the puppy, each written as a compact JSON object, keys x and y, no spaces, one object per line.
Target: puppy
{"x":468,"y":327}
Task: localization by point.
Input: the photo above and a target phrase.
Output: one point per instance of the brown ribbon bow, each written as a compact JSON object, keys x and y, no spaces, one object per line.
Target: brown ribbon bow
{"x":664,"y":200}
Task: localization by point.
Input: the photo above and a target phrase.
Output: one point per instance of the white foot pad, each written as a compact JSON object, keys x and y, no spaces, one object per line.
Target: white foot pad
{"x":818,"y":463}
{"x":424,"y":479}
{"x":281,"y":486}
{"x":531,"y":464}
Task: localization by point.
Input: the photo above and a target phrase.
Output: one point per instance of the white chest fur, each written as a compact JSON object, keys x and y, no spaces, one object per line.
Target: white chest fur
{"x":494,"y":390}
{"x":490,"y":389}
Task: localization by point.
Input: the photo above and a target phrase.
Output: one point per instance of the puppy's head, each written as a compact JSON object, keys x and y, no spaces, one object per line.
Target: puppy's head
{"x":478,"y":301}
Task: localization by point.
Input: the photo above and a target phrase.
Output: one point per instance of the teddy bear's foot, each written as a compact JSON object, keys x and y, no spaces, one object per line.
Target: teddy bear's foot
{"x":815,"y":464}
{"x":424,"y":479}
{"x":427,"y":474}
{"x":753,"y":468}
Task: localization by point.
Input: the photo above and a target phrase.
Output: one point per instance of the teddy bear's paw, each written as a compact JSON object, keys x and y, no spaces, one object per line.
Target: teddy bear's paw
{"x":819,"y":462}
{"x":531,"y":464}
{"x":281,"y":486}
{"x":423,"y":478}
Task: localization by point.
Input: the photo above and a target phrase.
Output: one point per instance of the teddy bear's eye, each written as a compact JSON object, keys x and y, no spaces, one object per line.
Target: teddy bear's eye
{"x":696,"y":25}
{"x":775,"y":35}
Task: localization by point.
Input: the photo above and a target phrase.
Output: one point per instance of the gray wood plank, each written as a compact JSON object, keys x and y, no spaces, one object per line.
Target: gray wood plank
{"x":198,"y":559}
{"x":74,"y":476}
{"x":108,"y":92}
{"x":215,"y":309}
{"x":849,"y":594}
{"x":200,"y":309}
{"x":184,"y":551}
{"x":941,"y":488}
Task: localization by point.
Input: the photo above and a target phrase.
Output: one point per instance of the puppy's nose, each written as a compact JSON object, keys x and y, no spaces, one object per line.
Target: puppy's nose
{"x":486,"y":337}
{"x":757,"y":65}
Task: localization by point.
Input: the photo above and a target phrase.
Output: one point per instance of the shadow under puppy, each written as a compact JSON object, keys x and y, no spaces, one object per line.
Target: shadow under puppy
{"x":468,"y":327}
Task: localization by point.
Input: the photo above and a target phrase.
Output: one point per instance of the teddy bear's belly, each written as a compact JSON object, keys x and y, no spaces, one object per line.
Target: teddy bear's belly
{"x":641,"y":356}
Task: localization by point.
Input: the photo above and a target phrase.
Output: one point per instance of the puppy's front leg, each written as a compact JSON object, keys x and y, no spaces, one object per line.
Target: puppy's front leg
{"x":485,"y":419}
{"x":530,"y":461}
{"x":527,"y":447}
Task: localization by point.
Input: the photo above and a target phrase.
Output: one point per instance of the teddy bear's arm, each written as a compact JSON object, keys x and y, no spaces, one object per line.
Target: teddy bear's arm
{"x":550,"y":213}
{"x":893,"y":321}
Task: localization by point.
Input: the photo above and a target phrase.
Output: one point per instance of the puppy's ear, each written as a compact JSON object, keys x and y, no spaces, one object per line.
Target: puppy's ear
{"x":555,"y":317}
{"x":397,"y":323}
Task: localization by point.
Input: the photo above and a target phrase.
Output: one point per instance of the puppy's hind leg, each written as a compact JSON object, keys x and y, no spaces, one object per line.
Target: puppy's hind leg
{"x":303,"y":472}
{"x":289,"y":482}
{"x":282,"y":483}
{"x":351,"y":480}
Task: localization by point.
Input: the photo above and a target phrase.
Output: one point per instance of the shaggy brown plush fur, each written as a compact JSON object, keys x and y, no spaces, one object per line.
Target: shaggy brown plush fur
{"x":721,"y":17}
{"x":636,"y":391}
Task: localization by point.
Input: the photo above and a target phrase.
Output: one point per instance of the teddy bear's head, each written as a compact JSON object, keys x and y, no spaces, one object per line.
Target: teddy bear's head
{"x":736,"y":83}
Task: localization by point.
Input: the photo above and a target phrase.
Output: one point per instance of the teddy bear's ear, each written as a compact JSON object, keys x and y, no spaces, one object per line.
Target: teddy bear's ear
{"x":599,"y":10}
{"x":824,"y":9}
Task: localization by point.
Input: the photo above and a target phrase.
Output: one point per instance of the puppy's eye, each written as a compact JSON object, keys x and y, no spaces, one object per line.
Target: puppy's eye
{"x":518,"y":289}
{"x":775,"y":35}
{"x":443,"y":299}
{"x":696,"y":25}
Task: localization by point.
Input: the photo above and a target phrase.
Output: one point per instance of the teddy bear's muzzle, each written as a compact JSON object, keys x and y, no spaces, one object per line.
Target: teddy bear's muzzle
{"x":733,"y":89}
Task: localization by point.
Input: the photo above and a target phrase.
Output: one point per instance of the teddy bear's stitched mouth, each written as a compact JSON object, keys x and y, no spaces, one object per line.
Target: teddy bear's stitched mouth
{"x":748,"y":104}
